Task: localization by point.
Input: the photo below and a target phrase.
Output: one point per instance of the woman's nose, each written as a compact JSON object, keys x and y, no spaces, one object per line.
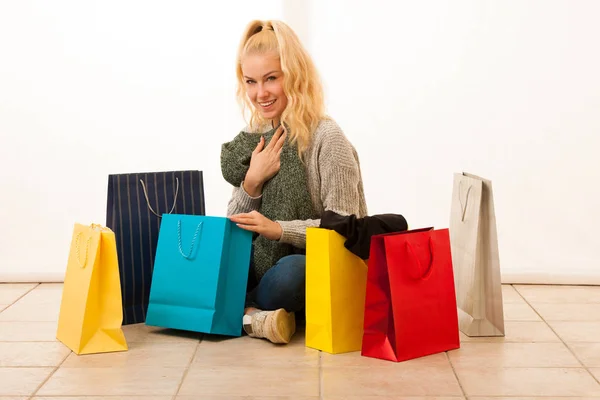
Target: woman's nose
{"x":262,"y":94}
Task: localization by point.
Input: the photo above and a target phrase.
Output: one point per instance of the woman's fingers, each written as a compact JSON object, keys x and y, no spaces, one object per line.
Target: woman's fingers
{"x":246,"y":219}
{"x":260,"y":145}
{"x":252,"y":228}
{"x":276,"y":137}
{"x":280,"y":141}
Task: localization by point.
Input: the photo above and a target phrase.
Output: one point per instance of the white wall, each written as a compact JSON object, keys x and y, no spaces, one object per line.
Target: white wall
{"x":149,"y":84}
{"x":507,"y":90}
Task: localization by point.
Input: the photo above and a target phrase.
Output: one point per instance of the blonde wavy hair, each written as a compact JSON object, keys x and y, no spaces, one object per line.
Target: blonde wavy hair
{"x":301,"y":82}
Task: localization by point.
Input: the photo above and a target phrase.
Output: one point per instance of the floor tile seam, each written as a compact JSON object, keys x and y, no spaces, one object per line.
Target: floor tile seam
{"x":20,"y":297}
{"x":464,"y":393}
{"x":321,"y":379}
{"x":187,"y":370}
{"x":559,"y":337}
{"x":50,"y":375}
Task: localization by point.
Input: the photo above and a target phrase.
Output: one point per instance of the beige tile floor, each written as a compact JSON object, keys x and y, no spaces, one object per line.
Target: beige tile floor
{"x":551,"y":351}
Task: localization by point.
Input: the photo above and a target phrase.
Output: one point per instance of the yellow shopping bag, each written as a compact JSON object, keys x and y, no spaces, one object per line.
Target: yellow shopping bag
{"x":336,"y":282}
{"x":91,"y":312}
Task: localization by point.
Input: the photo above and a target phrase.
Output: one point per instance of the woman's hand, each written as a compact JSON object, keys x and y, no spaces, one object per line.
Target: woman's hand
{"x":256,"y":222}
{"x":265,"y":163}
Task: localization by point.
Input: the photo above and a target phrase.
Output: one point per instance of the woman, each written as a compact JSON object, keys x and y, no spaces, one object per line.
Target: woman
{"x":288,"y":166}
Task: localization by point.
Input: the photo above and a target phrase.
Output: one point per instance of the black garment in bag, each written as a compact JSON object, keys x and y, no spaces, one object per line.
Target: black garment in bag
{"x":358,"y":231}
{"x":134,"y":206}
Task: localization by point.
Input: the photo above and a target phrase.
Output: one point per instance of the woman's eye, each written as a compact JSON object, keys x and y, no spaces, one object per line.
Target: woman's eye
{"x":271,"y":78}
{"x":249,"y":81}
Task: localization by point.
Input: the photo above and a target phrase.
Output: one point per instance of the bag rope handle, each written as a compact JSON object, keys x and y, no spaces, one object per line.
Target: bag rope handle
{"x":463,"y":208}
{"x":198,"y":230}
{"x":148,"y":200}
{"x":430,"y":266}
{"x":87,"y":248}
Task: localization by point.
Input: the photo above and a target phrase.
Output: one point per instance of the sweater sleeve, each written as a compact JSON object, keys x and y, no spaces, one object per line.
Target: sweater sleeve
{"x":242,"y":202}
{"x":294,"y":232}
{"x":340,"y":177}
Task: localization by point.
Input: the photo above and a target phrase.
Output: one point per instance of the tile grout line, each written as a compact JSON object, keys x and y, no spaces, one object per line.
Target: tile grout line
{"x":456,"y":376}
{"x":558,"y":336}
{"x":50,"y":375}
{"x":58,"y":341}
{"x":321,"y":395}
{"x":187,"y":369}
{"x":25,"y":341}
{"x":37,"y":284}
{"x":91,"y":397}
{"x":20,"y":297}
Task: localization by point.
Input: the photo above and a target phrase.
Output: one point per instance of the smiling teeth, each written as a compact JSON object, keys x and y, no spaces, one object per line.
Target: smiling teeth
{"x":267,"y":104}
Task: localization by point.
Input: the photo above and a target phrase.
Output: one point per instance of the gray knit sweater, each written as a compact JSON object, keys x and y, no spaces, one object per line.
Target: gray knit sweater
{"x":334,"y":183}
{"x":284,"y":196}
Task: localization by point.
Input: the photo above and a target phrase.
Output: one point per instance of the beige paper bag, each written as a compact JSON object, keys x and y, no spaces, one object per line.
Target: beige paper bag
{"x":474,"y":243}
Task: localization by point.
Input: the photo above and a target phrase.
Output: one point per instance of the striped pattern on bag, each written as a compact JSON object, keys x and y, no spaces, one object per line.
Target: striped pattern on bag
{"x":135,"y":202}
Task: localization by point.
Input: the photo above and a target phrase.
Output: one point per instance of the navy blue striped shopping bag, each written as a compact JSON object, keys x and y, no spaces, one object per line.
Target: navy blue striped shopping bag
{"x":135,"y":204}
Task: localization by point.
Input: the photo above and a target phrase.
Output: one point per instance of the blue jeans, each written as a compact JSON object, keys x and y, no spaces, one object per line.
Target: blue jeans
{"x":282,"y":286}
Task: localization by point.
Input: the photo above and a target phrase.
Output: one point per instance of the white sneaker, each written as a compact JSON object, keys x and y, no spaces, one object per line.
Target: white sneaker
{"x":276,"y":326}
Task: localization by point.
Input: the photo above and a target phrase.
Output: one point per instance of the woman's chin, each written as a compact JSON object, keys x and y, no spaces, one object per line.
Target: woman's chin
{"x":270,"y":115}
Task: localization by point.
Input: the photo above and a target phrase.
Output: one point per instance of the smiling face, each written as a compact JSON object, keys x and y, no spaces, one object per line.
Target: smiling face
{"x":263,"y":80}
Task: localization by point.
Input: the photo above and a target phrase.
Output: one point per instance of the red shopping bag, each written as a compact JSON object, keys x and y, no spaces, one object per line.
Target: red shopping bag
{"x":410,"y":305}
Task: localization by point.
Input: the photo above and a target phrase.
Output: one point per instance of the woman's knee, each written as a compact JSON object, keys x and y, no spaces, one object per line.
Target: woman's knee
{"x":283,"y":286}
{"x":293,"y":265}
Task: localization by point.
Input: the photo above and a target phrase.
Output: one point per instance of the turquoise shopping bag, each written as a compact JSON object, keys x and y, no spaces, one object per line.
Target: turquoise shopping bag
{"x":200,"y":275}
